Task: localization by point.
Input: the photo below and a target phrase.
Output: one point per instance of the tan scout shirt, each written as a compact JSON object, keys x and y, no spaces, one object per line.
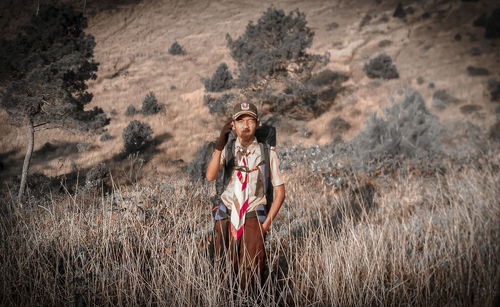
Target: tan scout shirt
{"x":255,"y":178}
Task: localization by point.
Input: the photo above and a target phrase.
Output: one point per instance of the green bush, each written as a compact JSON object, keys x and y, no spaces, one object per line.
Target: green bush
{"x":136,"y":136}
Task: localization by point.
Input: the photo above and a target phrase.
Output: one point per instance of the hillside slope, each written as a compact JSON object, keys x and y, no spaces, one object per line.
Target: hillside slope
{"x":132,"y":48}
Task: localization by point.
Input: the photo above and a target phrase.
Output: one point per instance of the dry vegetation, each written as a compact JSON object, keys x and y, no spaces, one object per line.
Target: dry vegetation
{"x":358,"y":232}
{"x":417,"y":241}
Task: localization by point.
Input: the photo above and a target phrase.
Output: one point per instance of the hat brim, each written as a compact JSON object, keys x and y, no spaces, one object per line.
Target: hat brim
{"x":235,"y":116}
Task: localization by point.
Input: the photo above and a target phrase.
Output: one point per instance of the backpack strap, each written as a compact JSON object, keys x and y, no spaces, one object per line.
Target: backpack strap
{"x":268,"y":186}
{"x":218,"y":209}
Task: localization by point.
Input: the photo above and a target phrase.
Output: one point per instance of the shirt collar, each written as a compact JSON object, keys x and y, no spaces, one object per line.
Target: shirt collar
{"x":237,"y":143}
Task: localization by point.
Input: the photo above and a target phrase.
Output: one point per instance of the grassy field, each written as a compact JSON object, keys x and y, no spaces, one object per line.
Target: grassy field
{"x":378,"y":237}
{"x":412,"y":240}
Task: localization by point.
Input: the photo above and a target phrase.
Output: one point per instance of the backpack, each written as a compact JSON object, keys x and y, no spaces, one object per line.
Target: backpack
{"x":266,"y":137}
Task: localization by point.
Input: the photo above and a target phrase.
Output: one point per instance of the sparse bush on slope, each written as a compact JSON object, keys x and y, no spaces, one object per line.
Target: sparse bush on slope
{"x":407,"y":133}
{"x":176,"y":49}
{"x":130,"y":110}
{"x":399,"y":12}
{"x":474,"y":71}
{"x":136,"y":136}
{"x":198,"y":166}
{"x":490,"y":23}
{"x":381,"y":67}
{"x":218,"y":105}
{"x":150,"y":104}
{"x":494,"y":132}
{"x":494,"y":88}
{"x":441,"y":99}
{"x":106,"y":136}
{"x":96,"y":177}
{"x":407,"y":128}
{"x":268,"y":47}
{"x":328,"y":77}
{"x":339,"y":124}
{"x":221,"y":80}
{"x":298,"y":100}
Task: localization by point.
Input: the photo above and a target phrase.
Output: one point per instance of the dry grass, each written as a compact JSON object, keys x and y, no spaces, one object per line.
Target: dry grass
{"x":419,"y":241}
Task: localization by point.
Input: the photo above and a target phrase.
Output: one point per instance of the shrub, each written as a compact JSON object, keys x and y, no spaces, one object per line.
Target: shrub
{"x":105,"y":137}
{"x":219,"y":105}
{"x":304,"y":131}
{"x":441,"y":99}
{"x":96,"y":177}
{"x":407,"y":128}
{"x":328,"y":77}
{"x":491,"y":24}
{"x":83,"y":147}
{"x":364,"y":21}
{"x":339,"y":124}
{"x":469,"y":109}
{"x":150,"y":104}
{"x":41,"y":190}
{"x":399,"y":12}
{"x":384,"y":43}
{"x":381,"y":67}
{"x":197,"y":167}
{"x":221,"y":80}
{"x":175,"y":49}
{"x":130,"y":110}
{"x":267,"y":47}
{"x":113,"y":112}
{"x":298,"y":101}
{"x":494,"y":133}
{"x":464,"y":141}
{"x":136,"y":136}
{"x":494,"y":88}
{"x":475,"y":51}
{"x":477,"y":71}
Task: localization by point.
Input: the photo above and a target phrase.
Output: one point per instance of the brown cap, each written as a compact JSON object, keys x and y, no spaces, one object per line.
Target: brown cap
{"x":245,"y":108}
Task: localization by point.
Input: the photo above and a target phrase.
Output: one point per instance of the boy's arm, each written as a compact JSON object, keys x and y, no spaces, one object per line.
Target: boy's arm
{"x":214,"y":164}
{"x":279,"y":189}
{"x":279,"y":196}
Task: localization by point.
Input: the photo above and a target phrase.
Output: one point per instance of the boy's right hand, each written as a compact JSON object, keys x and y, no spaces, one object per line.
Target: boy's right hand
{"x":224,"y":135}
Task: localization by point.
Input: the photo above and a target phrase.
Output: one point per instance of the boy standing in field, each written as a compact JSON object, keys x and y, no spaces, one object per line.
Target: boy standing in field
{"x":252,"y":194}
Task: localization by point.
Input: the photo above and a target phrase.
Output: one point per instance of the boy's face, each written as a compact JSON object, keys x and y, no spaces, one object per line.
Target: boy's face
{"x":245,"y":126}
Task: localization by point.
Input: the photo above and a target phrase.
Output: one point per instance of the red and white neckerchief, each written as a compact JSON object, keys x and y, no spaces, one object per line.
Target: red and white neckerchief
{"x":240,"y":201}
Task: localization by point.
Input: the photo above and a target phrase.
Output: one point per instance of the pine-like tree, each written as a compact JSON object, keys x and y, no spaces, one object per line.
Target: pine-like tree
{"x":44,"y":73}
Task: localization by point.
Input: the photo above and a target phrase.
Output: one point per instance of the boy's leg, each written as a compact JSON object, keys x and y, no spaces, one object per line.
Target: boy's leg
{"x":221,"y":239}
{"x":252,"y":253}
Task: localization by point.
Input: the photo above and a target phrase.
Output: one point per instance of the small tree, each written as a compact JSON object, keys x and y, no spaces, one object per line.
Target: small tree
{"x":221,"y":80}
{"x":47,"y":84}
{"x":270,"y":45}
{"x":150,"y":104}
{"x":130,"y":110}
{"x":136,"y":136}
{"x":176,"y":49}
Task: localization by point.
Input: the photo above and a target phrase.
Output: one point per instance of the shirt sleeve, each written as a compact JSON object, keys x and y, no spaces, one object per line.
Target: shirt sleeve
{"x":276,"y":176}
{"x":223,"y":157}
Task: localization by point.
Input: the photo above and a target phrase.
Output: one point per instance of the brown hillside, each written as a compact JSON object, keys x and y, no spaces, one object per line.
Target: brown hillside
{"x":132,"y":48}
